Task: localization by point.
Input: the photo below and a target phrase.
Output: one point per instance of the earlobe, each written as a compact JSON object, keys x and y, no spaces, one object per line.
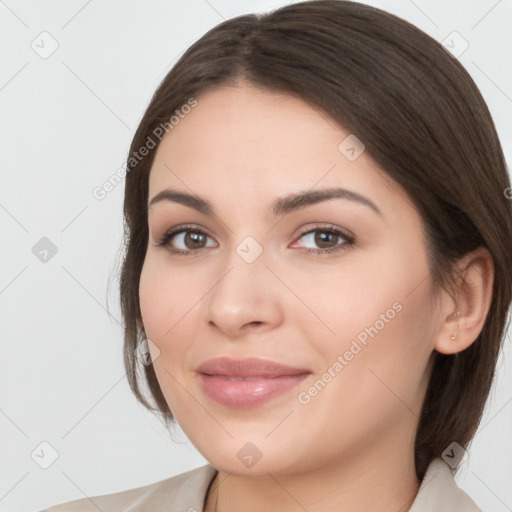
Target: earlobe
{"x":464,"y":316}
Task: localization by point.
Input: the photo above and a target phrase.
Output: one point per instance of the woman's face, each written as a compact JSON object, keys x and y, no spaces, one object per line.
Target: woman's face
{"x":355,"y":327}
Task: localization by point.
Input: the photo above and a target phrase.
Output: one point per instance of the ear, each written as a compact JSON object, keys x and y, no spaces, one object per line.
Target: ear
{"x":473,"y":299}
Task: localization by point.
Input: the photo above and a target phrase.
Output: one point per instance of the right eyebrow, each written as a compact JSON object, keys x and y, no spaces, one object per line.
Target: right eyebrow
{"x":192,"y":201}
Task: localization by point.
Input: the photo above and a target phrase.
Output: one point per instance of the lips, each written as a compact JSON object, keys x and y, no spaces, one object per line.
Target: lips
{"x":247,"y":382}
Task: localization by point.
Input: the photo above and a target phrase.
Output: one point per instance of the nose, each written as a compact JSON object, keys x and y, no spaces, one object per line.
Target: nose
{"x":246,"y":298}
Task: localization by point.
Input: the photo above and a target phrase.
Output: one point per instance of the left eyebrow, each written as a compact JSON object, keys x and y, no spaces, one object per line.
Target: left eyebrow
{"x":301,"y":200}
{"x":280,"y":206}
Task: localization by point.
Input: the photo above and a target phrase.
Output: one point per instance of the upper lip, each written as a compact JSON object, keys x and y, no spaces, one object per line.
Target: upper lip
{"x":248,"y":367}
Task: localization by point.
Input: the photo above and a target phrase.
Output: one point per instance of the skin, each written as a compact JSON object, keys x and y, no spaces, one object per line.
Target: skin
{"x":351,"y":447}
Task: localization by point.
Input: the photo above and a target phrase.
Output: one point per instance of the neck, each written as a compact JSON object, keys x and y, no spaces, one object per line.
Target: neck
{"x":386,"y":482}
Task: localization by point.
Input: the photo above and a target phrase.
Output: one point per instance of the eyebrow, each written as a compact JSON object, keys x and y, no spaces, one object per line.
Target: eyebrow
{"x":280,"y":206}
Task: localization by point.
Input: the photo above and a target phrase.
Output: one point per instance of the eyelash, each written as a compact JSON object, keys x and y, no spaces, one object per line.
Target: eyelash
{"x":349,"y":239}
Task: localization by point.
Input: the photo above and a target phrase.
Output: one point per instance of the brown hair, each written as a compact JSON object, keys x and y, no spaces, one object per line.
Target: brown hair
{"x":421,"y":118}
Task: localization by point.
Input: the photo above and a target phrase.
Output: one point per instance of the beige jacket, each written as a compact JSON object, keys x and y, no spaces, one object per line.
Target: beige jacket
{"x":186,"y":493}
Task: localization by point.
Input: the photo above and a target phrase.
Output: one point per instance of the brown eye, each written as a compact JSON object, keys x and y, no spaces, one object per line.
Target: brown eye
{"x":194,"y":239}
{"x":326,"y":239}
{"x":185,"y":240}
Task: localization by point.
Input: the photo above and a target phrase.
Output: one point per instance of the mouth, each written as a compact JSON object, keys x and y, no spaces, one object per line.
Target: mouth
{"x":247,"y":382}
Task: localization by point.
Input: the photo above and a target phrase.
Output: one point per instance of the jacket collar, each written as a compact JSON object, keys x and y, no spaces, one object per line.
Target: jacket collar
{"x":438,"y":490}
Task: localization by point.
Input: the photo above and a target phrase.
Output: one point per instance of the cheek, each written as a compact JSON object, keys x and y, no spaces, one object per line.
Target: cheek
{"x":166,"y":303}
{"x":166,"y":298}
{"x":376,"y":316}
{"x":153,"y":303}
{"x":372,"y":374}
{"x":339,"y":303}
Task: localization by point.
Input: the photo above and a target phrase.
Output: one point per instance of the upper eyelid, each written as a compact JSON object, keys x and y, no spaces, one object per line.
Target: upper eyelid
{"x":194,"y":227}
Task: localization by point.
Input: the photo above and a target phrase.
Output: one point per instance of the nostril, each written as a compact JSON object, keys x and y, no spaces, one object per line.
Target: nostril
{"x":255,"y":323}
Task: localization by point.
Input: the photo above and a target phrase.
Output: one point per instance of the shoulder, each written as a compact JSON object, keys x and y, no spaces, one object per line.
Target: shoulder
{"x":184,"y":492}
{"x":439,"y":491}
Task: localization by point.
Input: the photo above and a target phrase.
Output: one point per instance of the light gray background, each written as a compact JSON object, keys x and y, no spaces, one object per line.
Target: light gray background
{"x":66,"y":124}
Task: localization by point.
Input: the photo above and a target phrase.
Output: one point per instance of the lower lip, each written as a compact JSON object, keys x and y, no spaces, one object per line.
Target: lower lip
{"x":248,"y":393}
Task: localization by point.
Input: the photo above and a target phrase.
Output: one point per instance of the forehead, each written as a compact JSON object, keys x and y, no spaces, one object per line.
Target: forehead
{"x":247,"y":142}
{"x":246,"y":121}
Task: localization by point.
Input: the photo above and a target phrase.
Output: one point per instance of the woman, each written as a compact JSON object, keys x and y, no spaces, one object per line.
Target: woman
{"x":316,"y":278}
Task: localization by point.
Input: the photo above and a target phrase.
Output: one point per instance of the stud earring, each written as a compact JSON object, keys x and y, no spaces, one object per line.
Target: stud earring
{"x":452,"y":337}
